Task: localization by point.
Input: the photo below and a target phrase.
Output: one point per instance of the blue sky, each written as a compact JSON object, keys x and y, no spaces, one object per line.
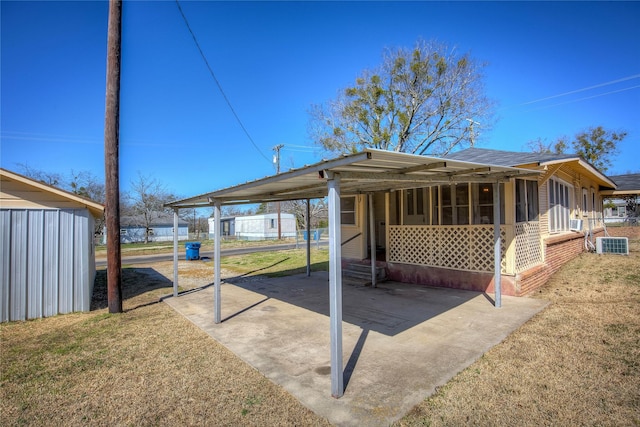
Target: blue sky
{"x":554,"y":68}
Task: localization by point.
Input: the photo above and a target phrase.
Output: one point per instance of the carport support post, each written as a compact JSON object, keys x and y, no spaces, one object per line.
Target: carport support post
{"x":497,"y":255}
{"x":216,"y":264}
{"x":372,"y":239}
{"x":308,"y":237}
{"x":335,"y":285}
{"x":175,"y":252}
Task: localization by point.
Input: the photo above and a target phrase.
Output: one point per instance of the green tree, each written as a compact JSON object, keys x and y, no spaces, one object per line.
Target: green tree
{"x":424,"y":100}
{"x":598,"y":145}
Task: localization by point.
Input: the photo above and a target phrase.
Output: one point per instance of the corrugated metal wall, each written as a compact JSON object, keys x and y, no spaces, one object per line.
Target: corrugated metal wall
{"x":47,"y":262}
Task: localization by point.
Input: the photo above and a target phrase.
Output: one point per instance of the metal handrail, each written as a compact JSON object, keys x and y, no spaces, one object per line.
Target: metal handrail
{"x":350,"y":239}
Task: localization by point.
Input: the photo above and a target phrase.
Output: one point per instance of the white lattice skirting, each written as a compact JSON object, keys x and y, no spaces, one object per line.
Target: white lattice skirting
{"x":528,"y":248}
{"x":468,"y":247}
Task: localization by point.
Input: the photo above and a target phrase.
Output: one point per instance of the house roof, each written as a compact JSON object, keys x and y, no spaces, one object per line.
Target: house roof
{"x":526,"y":160}
{"x":158,"y":219}
{"x":368,"y":171}
{"x":17,"y":191}
{"x":507,"y":158}
{"x":626,"y":185}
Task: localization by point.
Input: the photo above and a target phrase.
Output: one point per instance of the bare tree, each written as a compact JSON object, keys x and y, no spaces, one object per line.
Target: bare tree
{"x":83,"y":183}
{"x":318,"y":211}
{"x":541,"y":146}
{"x":147,"y":199}
{"x":86,"y":184}
{"x":50,"y":178}
{"x":423,"y":101}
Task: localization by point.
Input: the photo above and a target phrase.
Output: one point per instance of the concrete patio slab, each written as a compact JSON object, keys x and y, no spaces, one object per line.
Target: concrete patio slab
{"x":400,"y":341}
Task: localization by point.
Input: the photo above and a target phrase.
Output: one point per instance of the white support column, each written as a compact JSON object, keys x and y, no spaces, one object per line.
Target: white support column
{"x":497,"y":276}
{"x":335,"y":285}
{"x":372,"y":240}
{"x":308,"y":237}
{"x":216,"y":263}
{"x":387,"y":216}
{"x":175,"y":252}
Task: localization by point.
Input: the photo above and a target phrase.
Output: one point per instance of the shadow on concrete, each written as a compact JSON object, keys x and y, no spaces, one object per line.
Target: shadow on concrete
{"x":390,"y":308}
{"x":135,"y":281}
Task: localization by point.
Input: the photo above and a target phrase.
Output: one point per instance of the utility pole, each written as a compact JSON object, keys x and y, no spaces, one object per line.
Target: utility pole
{"x":472,"y":136}
{"x":111,"y":158}
{"x":276,"y":160}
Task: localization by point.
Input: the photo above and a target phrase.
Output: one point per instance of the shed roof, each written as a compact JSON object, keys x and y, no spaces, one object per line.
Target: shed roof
{"x":368,"y":171}
{"x":17,"y":191}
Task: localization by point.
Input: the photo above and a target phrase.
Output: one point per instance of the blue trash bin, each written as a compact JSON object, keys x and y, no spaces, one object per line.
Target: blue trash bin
{"x":193,"y":250}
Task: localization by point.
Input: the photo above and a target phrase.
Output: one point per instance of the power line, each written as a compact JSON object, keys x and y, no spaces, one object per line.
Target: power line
{"x":195,"y":40}
{"x":584,"y":99}
{"x":635,"y":76}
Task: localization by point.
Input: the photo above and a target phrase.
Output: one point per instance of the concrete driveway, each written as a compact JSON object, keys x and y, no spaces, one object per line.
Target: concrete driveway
{"x":400,"y":341}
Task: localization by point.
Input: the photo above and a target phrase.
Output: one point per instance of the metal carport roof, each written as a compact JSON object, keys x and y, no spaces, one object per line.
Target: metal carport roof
{"x":368,"y":171}
{"x":365,"y":172}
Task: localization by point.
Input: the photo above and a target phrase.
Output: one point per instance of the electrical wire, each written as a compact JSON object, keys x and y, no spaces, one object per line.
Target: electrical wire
{"x":635,"y":76}
{"x":195,"y":40}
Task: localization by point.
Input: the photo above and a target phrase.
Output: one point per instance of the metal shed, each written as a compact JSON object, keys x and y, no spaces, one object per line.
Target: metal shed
{"x":359,"y":173}
{"x":47,"y":257}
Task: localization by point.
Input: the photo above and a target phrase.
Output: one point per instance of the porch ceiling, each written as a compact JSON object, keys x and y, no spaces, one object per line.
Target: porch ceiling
{"x":368,"y":171}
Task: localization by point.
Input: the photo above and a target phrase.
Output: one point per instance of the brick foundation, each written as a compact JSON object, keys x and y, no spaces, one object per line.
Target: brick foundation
{"x":558,"y":250}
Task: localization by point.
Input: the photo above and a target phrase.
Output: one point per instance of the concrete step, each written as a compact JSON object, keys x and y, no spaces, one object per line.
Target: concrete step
{"x":363,"y":272}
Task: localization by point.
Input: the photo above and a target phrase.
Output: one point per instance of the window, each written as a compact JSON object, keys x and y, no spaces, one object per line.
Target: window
{"x":585,"y":206}
{"x":273,"y":223}
{"x":348,"y":210}
{"x":559,"y":204}
{"x":526,"y":200}
{"x":123,"y":231}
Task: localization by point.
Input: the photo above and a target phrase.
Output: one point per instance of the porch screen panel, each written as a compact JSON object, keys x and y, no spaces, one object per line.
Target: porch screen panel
{"x":462,"y":204}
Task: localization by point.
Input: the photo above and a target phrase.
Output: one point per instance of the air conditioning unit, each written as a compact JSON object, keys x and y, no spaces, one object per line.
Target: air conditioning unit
{"x":612,"y":245}
{"x":575,"y":224}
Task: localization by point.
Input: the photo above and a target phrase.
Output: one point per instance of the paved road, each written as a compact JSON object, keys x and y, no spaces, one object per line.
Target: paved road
{"x":147,"y":259}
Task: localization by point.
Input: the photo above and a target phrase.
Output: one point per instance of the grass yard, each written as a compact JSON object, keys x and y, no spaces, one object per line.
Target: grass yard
{"x":151,"y":248}
{"x":575,"y":363}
